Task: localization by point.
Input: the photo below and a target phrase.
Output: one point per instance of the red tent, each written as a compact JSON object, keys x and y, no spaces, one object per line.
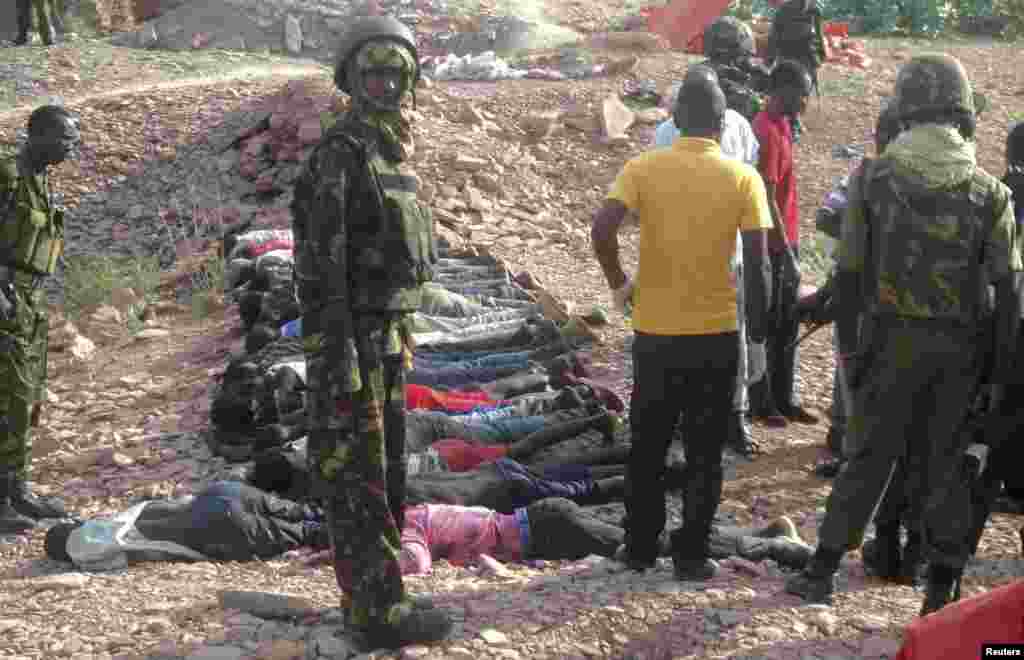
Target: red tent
{"x":957,"y":631}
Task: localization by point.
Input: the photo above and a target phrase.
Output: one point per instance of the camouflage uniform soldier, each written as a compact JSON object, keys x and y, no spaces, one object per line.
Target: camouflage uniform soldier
{"x":363,"y":249}
{"x":729,"y":49}
{"x":43,"y":26}
{"x":926,"y":232}
{"x":31,"y":241}
{"x":798,"y":34}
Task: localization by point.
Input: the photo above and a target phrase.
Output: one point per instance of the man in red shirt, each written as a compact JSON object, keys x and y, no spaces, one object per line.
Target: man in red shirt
{"x":774,"y":398}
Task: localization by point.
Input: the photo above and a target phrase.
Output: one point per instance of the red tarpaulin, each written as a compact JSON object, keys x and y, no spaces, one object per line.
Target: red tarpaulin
{"x":682,"y":20}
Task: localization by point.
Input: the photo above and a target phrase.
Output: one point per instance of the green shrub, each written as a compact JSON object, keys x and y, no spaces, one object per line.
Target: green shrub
{"x":89,"y":281}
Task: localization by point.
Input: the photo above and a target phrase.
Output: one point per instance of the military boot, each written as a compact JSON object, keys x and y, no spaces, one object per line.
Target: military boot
{"x":34,"y":506}
{"x":817,"y":582}
{"x":414,"y":625}
{"x":11,"y":521}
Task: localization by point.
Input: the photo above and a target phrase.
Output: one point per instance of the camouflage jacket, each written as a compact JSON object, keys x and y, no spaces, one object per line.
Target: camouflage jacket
{"x":361,"y":238}
{"x":796,"y":32}
{"x":924,"y":252}
{"x":31,"y":232}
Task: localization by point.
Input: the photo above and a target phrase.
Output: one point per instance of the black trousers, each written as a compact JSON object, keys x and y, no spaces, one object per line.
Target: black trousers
{"x":561,"y":529}
{"x":1004,"y":463}
{"x":693,"y":377}
{"x":777,"y":390}
{"x":230,"y":521}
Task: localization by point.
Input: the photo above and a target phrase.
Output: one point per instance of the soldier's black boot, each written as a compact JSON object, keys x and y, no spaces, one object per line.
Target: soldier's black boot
{"x":416,"y":624}
{"x":883,"y":554}
{"x":34,"y":506}
{"x":817,"y":582}
{"x":943,"y":588}
{"x":11,"y":522}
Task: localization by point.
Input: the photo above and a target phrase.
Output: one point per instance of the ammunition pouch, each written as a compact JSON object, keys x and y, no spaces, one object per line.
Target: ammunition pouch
{"x":35,"y":238}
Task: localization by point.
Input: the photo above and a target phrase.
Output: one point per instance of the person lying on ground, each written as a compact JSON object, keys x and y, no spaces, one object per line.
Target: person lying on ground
{"x":554,"y":529}
{"x":226,"y":521}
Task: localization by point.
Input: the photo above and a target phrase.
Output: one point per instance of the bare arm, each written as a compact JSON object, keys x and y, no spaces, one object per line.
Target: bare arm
{"x":605,"y":236}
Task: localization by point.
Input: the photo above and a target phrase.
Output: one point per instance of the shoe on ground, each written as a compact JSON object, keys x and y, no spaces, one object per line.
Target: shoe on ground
{"x":812,"y":587}
{"x":623,"y":556}
{"x":12,"y":522}
{"x":783,"y":527}
{"x":694,"y":570}
{"x":799,"y":415}
{"x":35,"y":506}
{"x":418,"y":625}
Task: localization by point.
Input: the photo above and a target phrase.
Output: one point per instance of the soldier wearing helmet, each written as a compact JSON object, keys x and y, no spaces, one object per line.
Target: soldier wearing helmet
{"x":729,"y":49}
{"x":926,"y":234}
{"x":364,"y":247}
{"x":798,"y":33}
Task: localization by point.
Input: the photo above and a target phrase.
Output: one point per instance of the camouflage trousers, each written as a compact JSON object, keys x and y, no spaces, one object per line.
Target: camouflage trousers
{"x":23,"y":347}
{"x":357,"y":459}
{"x":45,"y":12}
{"x":905,"y":425}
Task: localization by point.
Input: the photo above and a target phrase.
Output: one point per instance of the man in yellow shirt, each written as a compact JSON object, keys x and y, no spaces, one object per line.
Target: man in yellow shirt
{"x":691,"y":200}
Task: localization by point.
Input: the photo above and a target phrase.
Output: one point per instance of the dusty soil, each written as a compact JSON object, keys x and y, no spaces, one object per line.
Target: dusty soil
{"x":133,"y":388}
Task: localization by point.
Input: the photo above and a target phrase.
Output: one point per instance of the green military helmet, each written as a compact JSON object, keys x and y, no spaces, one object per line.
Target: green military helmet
{"x":728,"y":36}
{"x":367,"y":29}
{"x":933,"y":82}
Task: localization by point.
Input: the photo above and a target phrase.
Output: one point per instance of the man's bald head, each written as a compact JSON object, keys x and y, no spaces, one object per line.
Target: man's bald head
{"x":700,"y":108}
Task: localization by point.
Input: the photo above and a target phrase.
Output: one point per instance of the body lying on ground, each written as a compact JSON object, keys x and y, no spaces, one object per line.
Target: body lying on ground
{"x":556,"y":528}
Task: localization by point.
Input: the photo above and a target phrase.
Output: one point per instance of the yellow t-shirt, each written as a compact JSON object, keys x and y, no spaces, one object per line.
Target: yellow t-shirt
{"x":691,"y":201}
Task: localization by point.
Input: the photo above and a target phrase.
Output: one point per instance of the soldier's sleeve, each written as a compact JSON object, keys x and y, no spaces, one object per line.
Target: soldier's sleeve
{"x":8,"y":178}
{"x":321,"y":268}
{"x":851,"y":254}
{"x":320,"y":228}
{"x":1003,"y":248}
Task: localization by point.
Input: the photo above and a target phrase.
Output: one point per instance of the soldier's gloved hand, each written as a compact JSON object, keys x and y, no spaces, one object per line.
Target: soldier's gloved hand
{"x":622,"y":297}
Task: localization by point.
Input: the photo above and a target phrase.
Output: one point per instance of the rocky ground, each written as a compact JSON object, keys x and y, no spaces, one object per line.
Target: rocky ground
{"x":517,"y":167}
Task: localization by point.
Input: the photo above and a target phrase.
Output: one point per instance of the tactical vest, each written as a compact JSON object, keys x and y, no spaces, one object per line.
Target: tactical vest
{"x":392,"y":249}
{"x":34,"y":236}
{"x":927,"y":246}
